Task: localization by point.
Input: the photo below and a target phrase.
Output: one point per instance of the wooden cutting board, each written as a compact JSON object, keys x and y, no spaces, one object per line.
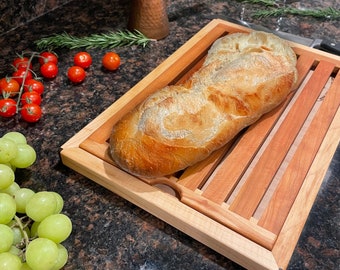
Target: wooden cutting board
{"x":249,"y":200}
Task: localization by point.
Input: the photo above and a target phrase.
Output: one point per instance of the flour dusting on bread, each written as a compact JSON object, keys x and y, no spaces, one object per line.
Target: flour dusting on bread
{"x":243,"y":77}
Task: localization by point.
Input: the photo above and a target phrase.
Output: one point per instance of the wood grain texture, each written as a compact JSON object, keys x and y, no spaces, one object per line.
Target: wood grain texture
{"x":257,"y":183}
{"x":228,"y":174}
{"x":298,"y":214}
{"x":299,"y":165}
{"x":199,"y":207}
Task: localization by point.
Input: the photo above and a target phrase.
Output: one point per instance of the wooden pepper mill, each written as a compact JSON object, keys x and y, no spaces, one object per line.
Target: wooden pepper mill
{"x":149,"y":17}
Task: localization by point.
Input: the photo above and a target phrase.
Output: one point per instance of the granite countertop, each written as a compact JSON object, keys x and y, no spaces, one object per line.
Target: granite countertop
{"x":108,"y":231}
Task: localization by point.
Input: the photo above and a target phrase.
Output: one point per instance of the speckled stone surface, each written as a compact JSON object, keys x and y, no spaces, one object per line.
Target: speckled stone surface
{"x":15,"y":13}
{"x":108,"y":231}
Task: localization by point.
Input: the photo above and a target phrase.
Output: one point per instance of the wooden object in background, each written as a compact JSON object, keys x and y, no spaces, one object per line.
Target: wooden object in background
{"x":149,"y":17}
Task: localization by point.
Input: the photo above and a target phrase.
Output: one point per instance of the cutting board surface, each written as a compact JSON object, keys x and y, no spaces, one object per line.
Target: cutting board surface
{"x":249,"y":200}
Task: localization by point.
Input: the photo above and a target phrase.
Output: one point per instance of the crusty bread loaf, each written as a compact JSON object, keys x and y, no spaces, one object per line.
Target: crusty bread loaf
{"x":243,"y":77}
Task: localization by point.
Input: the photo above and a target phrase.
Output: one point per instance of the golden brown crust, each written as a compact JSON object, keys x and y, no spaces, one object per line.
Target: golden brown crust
{"x":243,"y":77}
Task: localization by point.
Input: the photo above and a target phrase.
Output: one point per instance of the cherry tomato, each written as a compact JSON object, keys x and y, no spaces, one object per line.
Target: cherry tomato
{"x":34,"y":85}
{"x":19,"y":75}
{"x":9,"y":86}
{"x":31,"y":112}
{"x":111,"y":61}
{"x":22,"y":63}
{"x":83,"y":59}
{"x":8,"y":107}
{"x":45,"y":57}
{"x":30,"y":97}
{"x":49,"y":70}
{"x":76,"y":74}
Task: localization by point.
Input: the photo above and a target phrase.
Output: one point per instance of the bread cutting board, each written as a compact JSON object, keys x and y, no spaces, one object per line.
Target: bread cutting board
{"x":249,"y":200}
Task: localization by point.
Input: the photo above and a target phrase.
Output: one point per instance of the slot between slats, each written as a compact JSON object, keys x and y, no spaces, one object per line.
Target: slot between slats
{"x":255,"y":186}
{"x":224,"y":181}
{"x":295,"y":173}
{"x":230,"y":171}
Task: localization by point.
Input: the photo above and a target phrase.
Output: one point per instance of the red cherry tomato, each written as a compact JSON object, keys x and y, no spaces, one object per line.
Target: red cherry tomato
{"x":34,"y":85}
{"x":111,"y":61}
{"x":83,"y":59}
{"x":8,"y":107}
{"x":76,"y":74}
{"x":30,"y":97}
{"x":31,"y":112}
{"x":9,"y":86}
{"x":19,"y":75}
{"x":22,"y":63}
{"x":49,"y":70}
{"x":45,"y":57}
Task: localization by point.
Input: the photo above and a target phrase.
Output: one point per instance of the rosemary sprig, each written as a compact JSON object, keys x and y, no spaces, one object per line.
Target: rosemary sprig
{"x":327,"y":13}
{"x":105,"y":40}
{"x":276,"y":10}
{"x":267,"y":3}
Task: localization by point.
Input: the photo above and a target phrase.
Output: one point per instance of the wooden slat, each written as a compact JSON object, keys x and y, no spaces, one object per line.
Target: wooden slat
{"x":316,"y":54}
{"x":290,"y":183}
{"x":238,"y":238}
{"x":235,"y":164}
{"x":225,"y":178}
{"x":251,"y":193}
{"x":216,"y":212}
{"x":100,"y":150}
{"x":169,"y":209}
{"x":195,"y":176}
{"x":230,"y":171}
{"x":293,"y":226}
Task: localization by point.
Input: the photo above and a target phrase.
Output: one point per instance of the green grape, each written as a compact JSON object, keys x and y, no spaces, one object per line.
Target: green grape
{"x":21,"y":198}
{"x":11,"y":189}
{"x":9,"y":261}
{"x":15,"y":251}
{"x":8,"y":164}
{"x":8,"y":150}
{"x":60,"y":202}
{"x":62,"y":257}
{"x":25,"y":156}
{"x":7,"y":208}
{"x":41,"y":205}
{"x":42,"y":254}
{"x":15,"y":136}
{"x":34,"y":229}
{"x":25,"y":266}
{"x":7,"y":176}
{"x":7,"y":237}
{"x":56,"y":227}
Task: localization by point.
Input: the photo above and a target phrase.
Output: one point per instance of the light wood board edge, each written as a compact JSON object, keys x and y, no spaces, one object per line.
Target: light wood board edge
{"x":169,"y":209}
{"x":294,"y":224}
{"x":214,"y":235}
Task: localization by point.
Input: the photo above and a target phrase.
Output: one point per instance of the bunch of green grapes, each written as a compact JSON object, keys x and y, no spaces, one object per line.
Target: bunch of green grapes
{"x":32,"y":225}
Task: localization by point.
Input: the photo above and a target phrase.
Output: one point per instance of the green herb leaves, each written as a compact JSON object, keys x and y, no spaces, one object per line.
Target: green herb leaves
{"x":105,"y":40}
{"x":327,"y":13}
{"x":275,"y":9}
